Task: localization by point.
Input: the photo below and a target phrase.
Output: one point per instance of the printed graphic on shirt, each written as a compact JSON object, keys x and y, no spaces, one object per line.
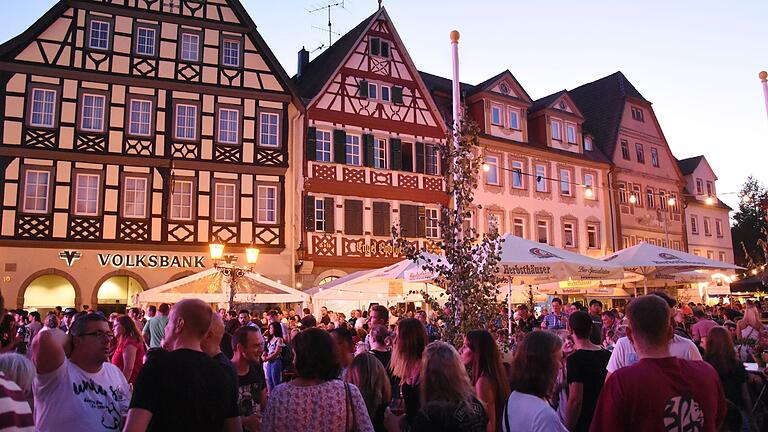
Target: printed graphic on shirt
{"x":683,"y":414}
{"x":109,"y":401}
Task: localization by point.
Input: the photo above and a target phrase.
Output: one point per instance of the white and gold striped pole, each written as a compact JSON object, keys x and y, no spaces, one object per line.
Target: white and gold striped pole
{"x":764,"y":79}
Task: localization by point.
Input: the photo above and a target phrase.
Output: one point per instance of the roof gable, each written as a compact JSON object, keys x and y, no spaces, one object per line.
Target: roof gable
{"x":504,"y":84}
{"x":559,"y":101}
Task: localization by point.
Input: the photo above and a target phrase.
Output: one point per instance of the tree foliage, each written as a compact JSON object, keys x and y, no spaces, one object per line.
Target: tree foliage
{"x":467,"y":273}
{"x":750,"y":226}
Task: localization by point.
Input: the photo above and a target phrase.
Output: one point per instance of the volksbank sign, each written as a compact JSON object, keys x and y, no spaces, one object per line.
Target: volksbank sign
{"x":138,"y":260}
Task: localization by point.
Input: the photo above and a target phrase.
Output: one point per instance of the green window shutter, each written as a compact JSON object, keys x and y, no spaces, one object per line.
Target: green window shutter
{"x":339,"y":146}
{"x":381,"y":219}
{"x":309,"y":213}
{"x":368,"y":150}
{"x":397,"y":95}
{"x":362,"y":88}
{"x":407,"y":152}
{"x":408,"y":220}
{"x":395,"y":154}
{"x":311,"y":143}
{"x":420,"y":157}
{"x":330,"y":211}
{"x":375,"y":44}
{"x":353,"y":217}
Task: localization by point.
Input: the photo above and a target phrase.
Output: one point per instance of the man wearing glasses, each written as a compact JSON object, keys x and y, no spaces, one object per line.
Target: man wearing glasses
{"x":83,"y":392}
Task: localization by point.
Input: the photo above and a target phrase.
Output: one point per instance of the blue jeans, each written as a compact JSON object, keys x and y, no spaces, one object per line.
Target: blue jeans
{"x":274,"y":373}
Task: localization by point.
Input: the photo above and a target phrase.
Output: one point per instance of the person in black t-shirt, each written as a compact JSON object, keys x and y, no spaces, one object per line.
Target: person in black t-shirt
{"x":211,"y":345}
{"x":586,"y":370}
{"x":183,"y":388}
{"x":596,"y":313}
{"x":248,"y":344}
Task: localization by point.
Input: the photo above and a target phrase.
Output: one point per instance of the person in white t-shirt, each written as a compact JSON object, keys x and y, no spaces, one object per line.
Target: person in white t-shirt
{"x":85,"y":392}
{"x":624,"y":354}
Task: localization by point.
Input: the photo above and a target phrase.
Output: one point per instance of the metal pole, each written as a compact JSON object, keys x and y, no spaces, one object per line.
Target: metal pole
{"x":509,"y":308}
{"x":456,"y":118}
{"x":764,"y":78}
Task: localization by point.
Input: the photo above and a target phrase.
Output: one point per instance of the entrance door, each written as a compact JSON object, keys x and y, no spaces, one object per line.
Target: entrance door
{"x":116,"y":294}
{"x":48,"y":291}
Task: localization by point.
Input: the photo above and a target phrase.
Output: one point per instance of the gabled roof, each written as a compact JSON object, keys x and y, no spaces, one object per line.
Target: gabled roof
{"x":486,"y":85}
{"x":319,"y":70}
{"x":436,"y":83}
{"x":546,"y":101}
{"x":13,"y":46}
{"x":689,"y":165}
{"x":602,"y":104}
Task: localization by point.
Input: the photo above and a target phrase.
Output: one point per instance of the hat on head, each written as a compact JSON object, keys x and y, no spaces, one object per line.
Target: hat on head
{"x":70,"y":311}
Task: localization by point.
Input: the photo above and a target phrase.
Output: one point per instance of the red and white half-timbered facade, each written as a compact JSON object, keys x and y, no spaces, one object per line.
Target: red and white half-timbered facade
{"x":370,"y":154}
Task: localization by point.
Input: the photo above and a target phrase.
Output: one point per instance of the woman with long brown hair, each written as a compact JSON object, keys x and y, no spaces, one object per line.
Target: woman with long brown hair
{"x":481,"y":355}
{"x":410,"y":340}
{"x":721,"y":355}
{"x":129,"y":352}
{"x":534,"y":375}
{"x":368,"y":374}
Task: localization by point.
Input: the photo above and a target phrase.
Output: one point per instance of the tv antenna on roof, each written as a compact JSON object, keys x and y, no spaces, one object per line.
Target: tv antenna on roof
{"x":328,"y":7}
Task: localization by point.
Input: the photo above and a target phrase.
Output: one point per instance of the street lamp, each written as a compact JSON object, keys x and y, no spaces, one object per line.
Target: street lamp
{"x":228,"y":269}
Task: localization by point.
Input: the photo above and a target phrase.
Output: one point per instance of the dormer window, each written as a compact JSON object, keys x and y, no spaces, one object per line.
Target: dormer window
{"x":587,"y":143}
{"x":496,"y":118}
{"x":514,"y":118}
{"x":556,"y":130}
{"x":637,"y":114}
{"x":379,"y":47}
{"x":570,"y":132}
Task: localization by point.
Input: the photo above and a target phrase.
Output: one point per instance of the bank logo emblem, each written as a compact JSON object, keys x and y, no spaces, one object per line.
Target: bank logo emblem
{"x":70,"y":257}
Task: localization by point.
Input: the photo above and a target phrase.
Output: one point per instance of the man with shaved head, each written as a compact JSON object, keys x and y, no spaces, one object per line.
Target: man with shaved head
{"x":211,"y":345}
{"x":184,"y":388}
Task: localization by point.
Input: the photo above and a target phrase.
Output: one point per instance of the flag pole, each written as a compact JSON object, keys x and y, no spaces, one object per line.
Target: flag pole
{"x":764,"y":79}
{"x":456,"y":118}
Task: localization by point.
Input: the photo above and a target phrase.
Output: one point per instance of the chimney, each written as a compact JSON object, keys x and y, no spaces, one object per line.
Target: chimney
{"x":303,"y":61}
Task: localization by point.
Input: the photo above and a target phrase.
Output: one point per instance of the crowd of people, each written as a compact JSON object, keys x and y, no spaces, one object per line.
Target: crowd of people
{"x":655,"y":365}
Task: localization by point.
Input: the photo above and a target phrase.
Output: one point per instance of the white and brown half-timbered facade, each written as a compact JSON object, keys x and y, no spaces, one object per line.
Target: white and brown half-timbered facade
{"x":370,"y":154}
{"x":134,"y":133}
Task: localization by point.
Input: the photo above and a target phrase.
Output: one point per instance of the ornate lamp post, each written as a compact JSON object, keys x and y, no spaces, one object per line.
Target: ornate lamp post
{"x":228,"y":269}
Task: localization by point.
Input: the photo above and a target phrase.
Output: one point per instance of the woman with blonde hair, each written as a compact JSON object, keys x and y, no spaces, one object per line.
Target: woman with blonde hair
{"x":368,"y":374}
{"x":410,"y":340}
{"x":748,"y":332}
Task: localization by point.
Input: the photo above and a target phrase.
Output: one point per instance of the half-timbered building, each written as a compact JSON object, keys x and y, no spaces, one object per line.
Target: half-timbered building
{"x":370,"y":154}
{"x":132,"y":134}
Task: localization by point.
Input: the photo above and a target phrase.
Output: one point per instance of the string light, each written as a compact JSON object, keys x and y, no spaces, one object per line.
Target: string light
{"x":754,"y":272}
{"x":588,"y":192}
{"x":632,"y":199}
{"x":709,"y":200}
{"x":486,"y":167}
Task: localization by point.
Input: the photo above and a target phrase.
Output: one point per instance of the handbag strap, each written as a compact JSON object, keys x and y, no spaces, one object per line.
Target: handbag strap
{"x":506,"y":417}
{"x":348,"y":404}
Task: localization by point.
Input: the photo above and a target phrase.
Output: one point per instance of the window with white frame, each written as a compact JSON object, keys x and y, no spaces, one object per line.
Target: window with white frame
{"x":696,"y":252}
{"x":514,"y":118}
{"x":638,"y":194}
{"x":570,"y":133}
{"x":623,"y":193}
{"x":224,"y":202}
{"x":492,"y":175}
{"x":145,"y":41}
{"x":229,"y":126}
{"x":270,"y":130}
{"x":431,"y":159}
{"x":699,"y":186}
{"x":37,"y":191}
{"x":637,"y":114}
{"x":565,"y":182}
{"x":43,"y":110}
{"x":267,"y":204}
{"x":320,"y":214}
{"x":518,"y":227}
{"x":190,"y":47}
{"x":186,"y":122}
{"x":721,"y":256}
{"x":386,"y":93}
{"x":625,"y":150}
{"x":674,"y":203}
{"x":654,"y":157}
{"x":92,"y":112}
{"x":541,"y":174}
{"x":323,"y":146}
{"x":588,"y":143}
{"x":373,"y":91}
{"x":135,"y":197}
{"x":432,"y":223}
{"x":710,"y":188}
{"x":650,"y":198}
{"x":98,"y":35}
{"x":353,"y":150}
{"x":496,"y":118}
{"x":542,"y":231}
{"x":140,"y":117}
{"x":87,"y":194}
{"x":589,"y":182}
{"x":556,"y":130}
{"x":181,"y":200}
{"x":707,"y":228}
{"x":663,"y":200}
{"x":640,"y":152}
{"x":710,"y":255}
{"x":569,"y":235}
{"x":230,"y":53}
{"x":694,"y":224}
{"x":593,"y":236}
{"x":517,"y":175}
{"x":719,"y":227}
{"x":380,"y":153}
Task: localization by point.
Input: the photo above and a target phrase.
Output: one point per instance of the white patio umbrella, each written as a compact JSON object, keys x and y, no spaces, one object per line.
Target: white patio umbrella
{"x":529,"y":262}
{"x":656,"y":262}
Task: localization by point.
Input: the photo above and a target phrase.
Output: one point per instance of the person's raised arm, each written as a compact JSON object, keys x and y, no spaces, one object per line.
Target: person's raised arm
{"x":49,"y":350}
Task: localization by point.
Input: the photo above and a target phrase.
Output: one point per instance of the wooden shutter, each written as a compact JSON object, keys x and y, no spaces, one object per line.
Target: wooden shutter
{"x":420,"y":157}
{"x":311,"y":143}
{"x":407,"y":153}
{"x":381,"y":219}
{"x":353,"y":217}
{"x":362,"y":87}
{"x":309,"y":213}
{"x":408,"y":220}
{"x":397,"y":95}
{"x":375,"y":46}
{"x":421,"y":222}
{"x":395,"y":154}
{"x":368,"y":150}
{"x":339,"y":146}
{"x":330,"y":211}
